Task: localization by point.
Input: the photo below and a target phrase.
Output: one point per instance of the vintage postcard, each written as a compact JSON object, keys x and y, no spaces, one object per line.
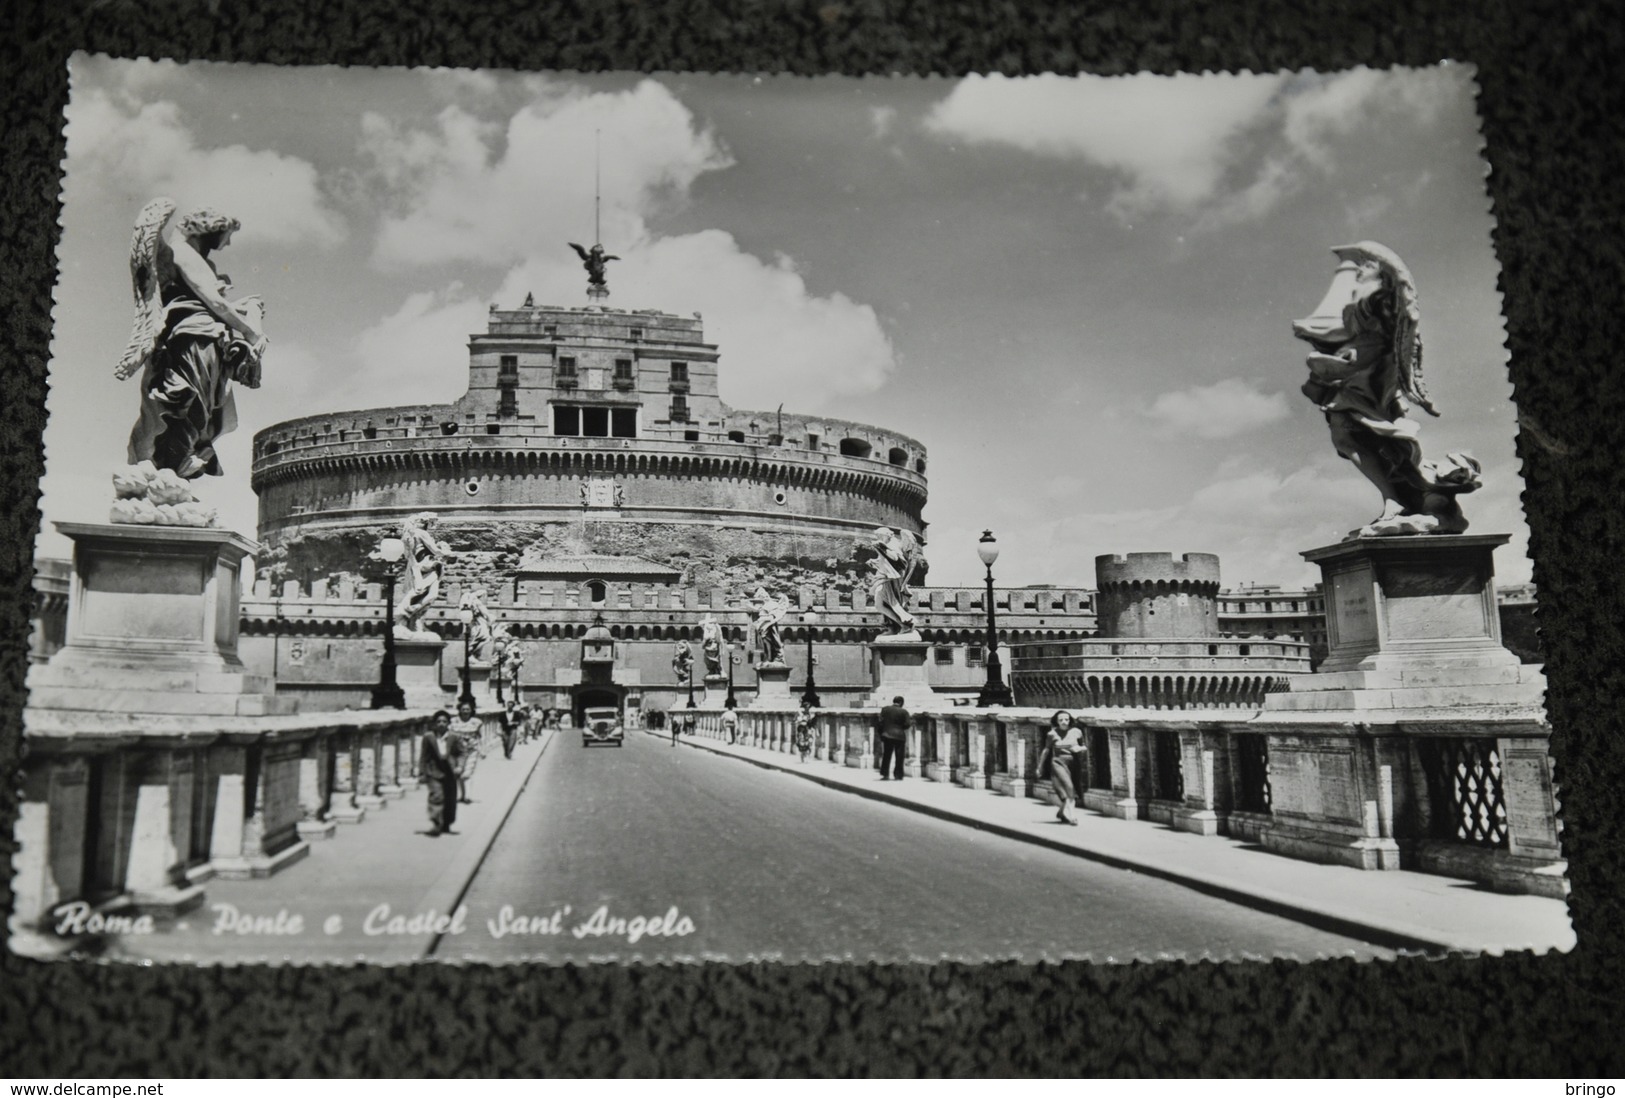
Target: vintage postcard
{"x":554,"y":518}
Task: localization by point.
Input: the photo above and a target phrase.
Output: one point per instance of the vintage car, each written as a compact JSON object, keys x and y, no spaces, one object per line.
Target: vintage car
{"x":602,"y":726}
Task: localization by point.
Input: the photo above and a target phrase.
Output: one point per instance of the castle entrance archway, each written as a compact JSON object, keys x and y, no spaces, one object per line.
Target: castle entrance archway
{"x":593,"y":697}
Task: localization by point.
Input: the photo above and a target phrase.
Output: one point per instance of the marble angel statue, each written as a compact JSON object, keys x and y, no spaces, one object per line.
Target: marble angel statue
{"x":1365,"y":374}
{"x":189,"y":343}
{"x":897,"y":554}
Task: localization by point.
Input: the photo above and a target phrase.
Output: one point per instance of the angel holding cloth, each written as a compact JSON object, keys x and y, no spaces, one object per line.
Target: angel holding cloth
{"x":189,"y":342}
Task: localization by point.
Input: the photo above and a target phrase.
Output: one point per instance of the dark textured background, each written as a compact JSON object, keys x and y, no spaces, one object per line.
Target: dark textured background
{"x":1552,"y":106}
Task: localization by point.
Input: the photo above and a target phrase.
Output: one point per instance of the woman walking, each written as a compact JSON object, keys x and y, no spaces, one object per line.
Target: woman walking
{"x":468,"y":731}
{"x":1064,"y":741}
{"x":439,"y":774}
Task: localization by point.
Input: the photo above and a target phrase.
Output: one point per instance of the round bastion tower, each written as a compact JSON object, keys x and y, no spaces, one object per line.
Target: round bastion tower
{"x":1154,"y":596}
{"x":589,"y":433}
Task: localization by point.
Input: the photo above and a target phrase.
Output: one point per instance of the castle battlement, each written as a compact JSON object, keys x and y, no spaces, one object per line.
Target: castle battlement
{"x":1154,"y":568}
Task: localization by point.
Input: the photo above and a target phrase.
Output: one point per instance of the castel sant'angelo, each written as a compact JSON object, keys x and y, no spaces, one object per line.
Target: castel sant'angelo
{"x":592,"y":485}
{"x":591,"y":432}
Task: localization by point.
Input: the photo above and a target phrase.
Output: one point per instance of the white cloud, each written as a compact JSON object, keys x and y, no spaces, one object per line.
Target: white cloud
{"x":419,"y":355}
{"x":1170,"y":137}
{"x":1222,"y":148}
{"x":457,"y":200}
{"x":124,"y":155}
{"x":882,"y":119}
{"x":1222,"y":410}
{"x":1321,"y":107}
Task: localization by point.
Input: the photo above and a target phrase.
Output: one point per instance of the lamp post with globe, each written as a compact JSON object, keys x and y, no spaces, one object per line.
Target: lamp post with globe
{"x":388,"y":693}
{"x":810,"y":695}
{"x":467,"y":696}
{"x":994,"y":691}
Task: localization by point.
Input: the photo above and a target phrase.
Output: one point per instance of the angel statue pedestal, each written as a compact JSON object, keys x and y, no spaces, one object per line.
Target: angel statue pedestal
{"x":152,"y":626}
{"x":1421,"y":741}
{"x":151,"y":660}
{"x":1412,"y":623}
{"x":773,"y":687}
{"x":417,"y":669}
{"x":716,"y":692}
{"x":901,"y":668}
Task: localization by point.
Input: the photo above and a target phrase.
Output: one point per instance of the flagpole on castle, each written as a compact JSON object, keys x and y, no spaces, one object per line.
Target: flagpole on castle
{"x":594,"y":259}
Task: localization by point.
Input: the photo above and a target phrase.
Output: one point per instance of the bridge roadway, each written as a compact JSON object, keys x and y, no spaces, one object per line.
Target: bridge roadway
{"x":762,"y":865}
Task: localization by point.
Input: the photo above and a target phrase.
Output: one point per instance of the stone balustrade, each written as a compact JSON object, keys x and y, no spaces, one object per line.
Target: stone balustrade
{"x":132,"y":814}
{"x":1464,"y":798}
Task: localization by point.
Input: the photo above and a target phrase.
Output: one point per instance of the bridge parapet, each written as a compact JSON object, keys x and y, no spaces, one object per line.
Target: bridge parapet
{"x":1435,"y":793}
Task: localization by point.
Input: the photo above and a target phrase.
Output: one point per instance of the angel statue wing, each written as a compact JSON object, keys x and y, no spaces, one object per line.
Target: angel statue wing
{"x":582,"y":252}
{"x":1407,"y":339}
{"x":145,"y":245}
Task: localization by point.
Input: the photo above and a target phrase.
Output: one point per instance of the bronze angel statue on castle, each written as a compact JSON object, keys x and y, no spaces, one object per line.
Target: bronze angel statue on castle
{"x":597,"y":264}
{"x":189,"y":343}
{"x":1365,"y":372}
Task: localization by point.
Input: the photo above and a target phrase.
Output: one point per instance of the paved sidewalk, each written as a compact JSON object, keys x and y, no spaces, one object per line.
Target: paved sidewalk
{"x":386,"y":859}
{"x":1397,"y":908}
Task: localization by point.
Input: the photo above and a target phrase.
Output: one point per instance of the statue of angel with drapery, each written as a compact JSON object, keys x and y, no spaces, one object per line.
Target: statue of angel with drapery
{"x":897,"y":553}
{"x":189,"y":343}
{"x":766,"y":613}
{"x":711,"y":645}
{"x":1365,"y":373}
{"x":426,"y":559}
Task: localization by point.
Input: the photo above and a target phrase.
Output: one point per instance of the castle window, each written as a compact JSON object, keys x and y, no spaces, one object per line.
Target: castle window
{"x":567,"y":365}
{"x":973,"y":655}
{"x":898,"y":456}
{"x":736,"y":436}
{"x":623,"y":423}
{"x":448,"y":428}
{"x":595,"y":422}
{"x":812,"y":442}
{"x":596,"y":591}
{"x":943,"y":656}
{"x":369,"y":431}
{"x":854,"y":447}
{"x":623,"y":369}
{"x":493,"y":428}
{"x":691,"y":436}
{"x":510,"y":363}
{"x":637,"y":333}
{"x":679,"y":409}
{"x":679,"y":371}
{"x":566,"y":420}
{"x":271,"y":447}
{"x":551,"y":331}
{"x":919,"y":466}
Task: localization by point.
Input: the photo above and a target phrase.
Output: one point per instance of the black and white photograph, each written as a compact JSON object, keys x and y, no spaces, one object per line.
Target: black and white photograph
{"x":658,"y":518}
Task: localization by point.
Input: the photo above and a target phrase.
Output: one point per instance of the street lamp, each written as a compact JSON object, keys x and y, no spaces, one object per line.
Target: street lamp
{"x":467,"y":696}
{"x":810,"y":695}
{"x":732,"y":658}
{"x":994,"y":691}
{"x":688,"y":677}
{"x":497,"y":659}
{"x":388,"y":693}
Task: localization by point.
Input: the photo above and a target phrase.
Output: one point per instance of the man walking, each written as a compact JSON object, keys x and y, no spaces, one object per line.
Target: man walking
{"x":894,"y":725}
{"x":730,"y":724}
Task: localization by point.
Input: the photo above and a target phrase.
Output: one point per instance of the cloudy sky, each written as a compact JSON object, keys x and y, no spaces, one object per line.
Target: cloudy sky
{"x":1077,"y":293}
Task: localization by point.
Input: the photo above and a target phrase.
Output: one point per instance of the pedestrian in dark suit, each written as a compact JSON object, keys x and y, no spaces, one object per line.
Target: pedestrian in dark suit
{"x":439,"y":773}
{"x":894,"y":724}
